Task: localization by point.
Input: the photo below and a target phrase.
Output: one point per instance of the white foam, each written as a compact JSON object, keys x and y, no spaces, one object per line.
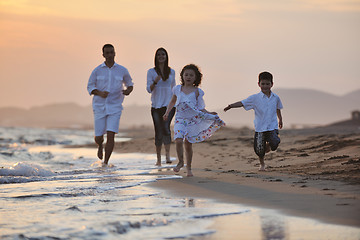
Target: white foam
{"x":27,"y":170}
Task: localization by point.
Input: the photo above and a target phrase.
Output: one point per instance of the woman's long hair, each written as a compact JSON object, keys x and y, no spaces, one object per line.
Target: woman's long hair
{"x":166,"y":71}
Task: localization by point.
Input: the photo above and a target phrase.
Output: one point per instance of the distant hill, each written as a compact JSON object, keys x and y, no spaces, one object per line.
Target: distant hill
{"x":354,"y":95}
{"x":302,"y":107}
{"x":64,"y":115}
{"x":305,"y":106}
{"x":68,"y":115}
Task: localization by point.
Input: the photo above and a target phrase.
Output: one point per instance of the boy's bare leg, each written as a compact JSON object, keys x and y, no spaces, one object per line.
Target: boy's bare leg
{"x":262,"y":164}
{"x":167,"y":150}
{"x":158,"y":155}
{"x":267,"y":147}
{"x":189,"y":155}
{"x":180,"y":154}
{"x":109,"y":146}
{"x":99,"y":141}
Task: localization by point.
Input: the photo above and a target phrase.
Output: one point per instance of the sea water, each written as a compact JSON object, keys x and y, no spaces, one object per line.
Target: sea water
{"x":49,"y":191}
{"x":52,"y":189}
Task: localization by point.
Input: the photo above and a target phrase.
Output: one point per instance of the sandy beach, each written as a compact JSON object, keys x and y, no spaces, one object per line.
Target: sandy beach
{"x":53,"y":186}
{"x":313,"y":174}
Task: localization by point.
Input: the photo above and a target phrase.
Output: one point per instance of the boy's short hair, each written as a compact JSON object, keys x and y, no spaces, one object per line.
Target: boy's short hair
{"x":108,"y":45}
{"x":266,"y":76}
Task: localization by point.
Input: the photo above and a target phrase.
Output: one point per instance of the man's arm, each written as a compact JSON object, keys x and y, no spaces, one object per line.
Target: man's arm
{"x":234,"y":105}
{"x":127,"y":80}
{"x":128,"y":90}
{"x":102,"y":94}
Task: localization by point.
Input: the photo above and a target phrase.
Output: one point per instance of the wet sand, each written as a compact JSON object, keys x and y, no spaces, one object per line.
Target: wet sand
{"x":315,"y":173}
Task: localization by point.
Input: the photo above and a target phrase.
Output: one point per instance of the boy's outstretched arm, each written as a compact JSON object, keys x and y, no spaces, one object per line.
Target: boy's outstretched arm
{"x":234,"y":105}
{"x":278,"y":112}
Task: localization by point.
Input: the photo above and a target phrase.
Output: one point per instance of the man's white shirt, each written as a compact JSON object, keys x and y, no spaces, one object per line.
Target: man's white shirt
{"x":111,"y":80}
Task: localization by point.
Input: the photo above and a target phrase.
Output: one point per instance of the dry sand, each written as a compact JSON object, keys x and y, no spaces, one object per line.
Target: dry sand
{"x":315,"y":173}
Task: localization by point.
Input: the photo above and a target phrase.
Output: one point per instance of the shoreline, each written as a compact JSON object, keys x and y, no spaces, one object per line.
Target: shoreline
{"x":314,"y":173}
{"x":340,"y":210}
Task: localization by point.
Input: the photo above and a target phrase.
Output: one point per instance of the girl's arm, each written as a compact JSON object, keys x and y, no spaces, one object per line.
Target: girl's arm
{"x":206,"y":111}
{"x":169,"y":107}
{"x":234,"y":105}
{"x":201,"y":102}
{"x":278,"y":112}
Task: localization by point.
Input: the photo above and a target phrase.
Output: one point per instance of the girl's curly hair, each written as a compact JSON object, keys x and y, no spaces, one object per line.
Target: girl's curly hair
{"x":198,"y":74}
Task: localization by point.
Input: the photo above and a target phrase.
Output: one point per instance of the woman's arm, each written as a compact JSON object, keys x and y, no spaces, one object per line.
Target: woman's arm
{"x":150,"y":81}
{"x":157,"y":79}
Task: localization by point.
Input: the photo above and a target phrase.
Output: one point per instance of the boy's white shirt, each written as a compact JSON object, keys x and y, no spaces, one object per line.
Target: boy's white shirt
{"x":265,"y":110}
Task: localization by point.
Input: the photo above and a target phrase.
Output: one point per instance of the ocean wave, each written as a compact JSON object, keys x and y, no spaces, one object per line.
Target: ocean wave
{"x":26,"y":169}
{"x":212,"y":215}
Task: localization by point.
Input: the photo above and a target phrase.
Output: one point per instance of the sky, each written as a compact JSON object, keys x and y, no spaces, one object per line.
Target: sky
{"x":49,"y":47}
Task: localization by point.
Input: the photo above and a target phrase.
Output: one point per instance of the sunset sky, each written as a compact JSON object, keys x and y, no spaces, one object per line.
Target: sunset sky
{"x":49,"y":47}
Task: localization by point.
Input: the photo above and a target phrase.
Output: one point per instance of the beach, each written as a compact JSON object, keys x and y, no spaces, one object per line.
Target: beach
{"x":314,"y":173}
{"x":52,"y":186}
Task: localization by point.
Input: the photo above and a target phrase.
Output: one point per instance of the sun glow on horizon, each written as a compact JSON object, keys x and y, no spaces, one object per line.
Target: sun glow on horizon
{"x":185,"y":10}
{"x":124,"y":10}
{"x":306,"y":43}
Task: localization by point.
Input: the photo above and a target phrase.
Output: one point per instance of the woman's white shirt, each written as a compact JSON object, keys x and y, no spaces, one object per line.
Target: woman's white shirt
{"x":162,"y":92}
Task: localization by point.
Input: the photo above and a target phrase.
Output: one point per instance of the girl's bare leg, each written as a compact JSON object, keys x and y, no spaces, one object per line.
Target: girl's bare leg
{"x":189,"y":155}
{"x":180,"y":153}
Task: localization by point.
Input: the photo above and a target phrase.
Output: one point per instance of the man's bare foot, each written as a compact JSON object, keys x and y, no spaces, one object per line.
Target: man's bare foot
{"x":267,"y":148}
{"x":189,"y":173}
{"x":100,"y":151}
{"x":262,"y":168}
{"x":178,"y":167}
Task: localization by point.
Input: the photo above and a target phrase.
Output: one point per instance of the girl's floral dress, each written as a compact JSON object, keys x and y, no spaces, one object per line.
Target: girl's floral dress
{"x":191,"y":123}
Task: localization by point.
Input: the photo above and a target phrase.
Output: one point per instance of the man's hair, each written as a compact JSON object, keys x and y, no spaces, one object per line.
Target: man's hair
{"x":108,"y":45}
{"x":266,"y":76}
{"x":198,"y":74}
